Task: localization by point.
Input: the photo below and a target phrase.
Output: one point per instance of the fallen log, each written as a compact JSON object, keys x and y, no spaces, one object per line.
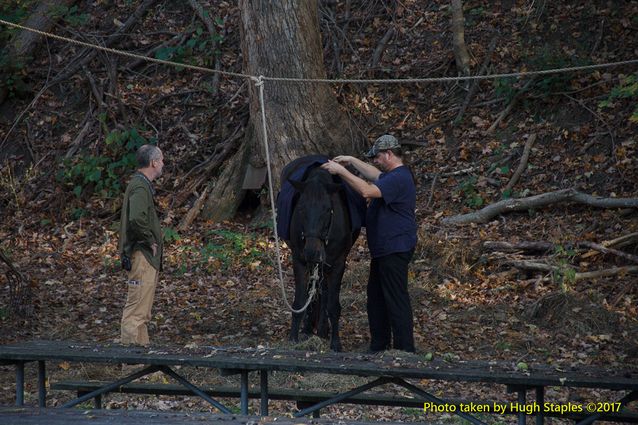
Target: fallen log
{"x":504,"y":246}
{"x":532,"y":202}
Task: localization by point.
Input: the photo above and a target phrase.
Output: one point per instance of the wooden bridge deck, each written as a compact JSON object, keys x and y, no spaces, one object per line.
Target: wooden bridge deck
{"x":383,"y":369}
{"x":358,"y":364}
{"x":30,"y":416}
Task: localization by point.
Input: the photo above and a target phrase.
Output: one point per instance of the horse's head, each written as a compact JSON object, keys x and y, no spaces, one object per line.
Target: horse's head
{"x":315,"y":214}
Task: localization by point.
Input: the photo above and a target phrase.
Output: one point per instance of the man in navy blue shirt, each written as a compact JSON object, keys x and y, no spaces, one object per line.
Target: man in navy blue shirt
{"x":391,"y":230}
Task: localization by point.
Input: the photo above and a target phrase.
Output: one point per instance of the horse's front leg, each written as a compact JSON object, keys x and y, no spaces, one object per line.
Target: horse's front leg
{"x":301,"y":295}
{"x":333,"y":305}
{"x":311,"y":317}
{"x":322,"y":317}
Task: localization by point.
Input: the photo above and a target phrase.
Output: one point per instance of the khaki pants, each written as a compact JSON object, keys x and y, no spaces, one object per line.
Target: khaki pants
{"x":142,"y":280}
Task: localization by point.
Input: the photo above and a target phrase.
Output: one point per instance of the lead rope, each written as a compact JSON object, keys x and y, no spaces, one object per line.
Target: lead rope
{"x":259,"y":83}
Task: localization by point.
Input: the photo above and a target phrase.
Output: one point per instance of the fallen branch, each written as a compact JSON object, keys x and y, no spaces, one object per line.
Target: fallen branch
{"x":598,"y":117}
{"x":20,"y":293}
{"x":79,"y":139}
{"x":523,"y":204}
{"x":620,"y":242}
{"x":192,"y":213}
{"x":542,"y":246}
{"x":221,"y":152}
{"x":177,"y":40}
{"x":503,"y":246}
{"x":532,"y":266}
{"x":449,"y":173}
{"x":427,"y":206}
{"x":511,"y":105}
{"x":201,"y":14}
{"x":614,"y":271}
{"x":542,"y":267}
{"x":376,"y":57}
{"x":87,"y":54}
{"x":475,"y":84}
{"x":522,"y":165}
{"x":606,"y":250}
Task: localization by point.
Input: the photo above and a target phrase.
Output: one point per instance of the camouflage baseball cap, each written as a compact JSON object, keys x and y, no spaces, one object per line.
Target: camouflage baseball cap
{"x":383,"y":143}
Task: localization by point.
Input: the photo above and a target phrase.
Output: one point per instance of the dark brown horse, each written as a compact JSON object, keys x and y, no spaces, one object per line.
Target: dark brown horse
{"x":320,"y":239}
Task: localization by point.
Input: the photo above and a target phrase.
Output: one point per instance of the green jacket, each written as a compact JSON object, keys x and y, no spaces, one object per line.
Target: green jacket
{"x":139,"y":225}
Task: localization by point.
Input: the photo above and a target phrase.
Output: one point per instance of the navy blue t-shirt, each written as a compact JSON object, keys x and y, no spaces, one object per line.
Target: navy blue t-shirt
{"x":390,"y":220}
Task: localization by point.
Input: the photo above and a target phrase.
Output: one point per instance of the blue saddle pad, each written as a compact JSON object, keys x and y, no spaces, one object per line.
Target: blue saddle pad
{"x":287,"y":196}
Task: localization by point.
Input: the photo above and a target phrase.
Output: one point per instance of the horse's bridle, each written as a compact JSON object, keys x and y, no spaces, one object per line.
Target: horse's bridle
{"x":325,"y":239}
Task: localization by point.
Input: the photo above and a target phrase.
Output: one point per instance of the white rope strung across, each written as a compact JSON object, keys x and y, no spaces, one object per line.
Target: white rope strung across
{"x":124,"y":53}
{"x":325,"y":80}
{"x":450,"y":79}
{"x":259,"y":83}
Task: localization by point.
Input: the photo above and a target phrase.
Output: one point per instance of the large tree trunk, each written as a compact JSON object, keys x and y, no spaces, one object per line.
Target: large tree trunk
{"x":282,"y":39}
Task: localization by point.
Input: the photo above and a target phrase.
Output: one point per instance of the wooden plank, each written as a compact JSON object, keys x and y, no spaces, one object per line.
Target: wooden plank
{"x":230,"y":392}
{"x":25,"y":416}
{"x":358,"y":364}
{"x":310,"y":397}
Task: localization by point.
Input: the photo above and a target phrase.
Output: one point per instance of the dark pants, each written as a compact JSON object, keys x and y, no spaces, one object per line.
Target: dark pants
{"x":389,"y":309}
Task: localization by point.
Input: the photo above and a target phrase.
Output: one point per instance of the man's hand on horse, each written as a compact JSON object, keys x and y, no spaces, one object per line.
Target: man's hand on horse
{"x":344,"y":160}
{"x":333,"y":167}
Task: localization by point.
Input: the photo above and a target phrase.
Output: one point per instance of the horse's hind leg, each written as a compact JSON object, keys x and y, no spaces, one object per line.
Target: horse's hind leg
{"x":334,"y":306}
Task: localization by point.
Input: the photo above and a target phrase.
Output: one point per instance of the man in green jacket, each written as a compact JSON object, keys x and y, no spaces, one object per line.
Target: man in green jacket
{"x":141,"y":245}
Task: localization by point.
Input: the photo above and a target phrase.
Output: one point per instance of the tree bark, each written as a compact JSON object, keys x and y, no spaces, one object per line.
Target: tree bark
{"x":461,"y":55}
{"x":282,"y":39}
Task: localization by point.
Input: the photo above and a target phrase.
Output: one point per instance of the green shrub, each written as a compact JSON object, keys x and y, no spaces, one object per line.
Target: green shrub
{"x":627,"y":89}
{"x":102,"y":174}
{"x":12,"y":76}
{"x":472,"y":196}
{"x":196,"y":50}
{"x":170,"y":235}
{"x":226,"y":248}
{"x":70,"y":15}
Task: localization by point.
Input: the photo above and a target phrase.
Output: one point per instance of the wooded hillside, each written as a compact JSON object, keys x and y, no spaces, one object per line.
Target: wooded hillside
{"x":527,"y":187}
